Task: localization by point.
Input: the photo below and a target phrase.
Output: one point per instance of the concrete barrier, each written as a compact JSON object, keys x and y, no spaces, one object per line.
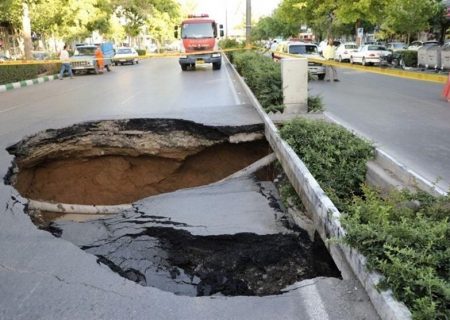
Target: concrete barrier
{"x":294,"y":75}
{"x":326,"y":218}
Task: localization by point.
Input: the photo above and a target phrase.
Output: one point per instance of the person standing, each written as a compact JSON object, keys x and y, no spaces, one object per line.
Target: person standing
{"x":328,"y":54}
{"x":65,"y":58}
{"x":99,"y":58}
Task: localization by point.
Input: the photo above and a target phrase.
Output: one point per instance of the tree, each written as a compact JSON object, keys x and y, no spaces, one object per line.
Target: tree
{"x":408,"y":16}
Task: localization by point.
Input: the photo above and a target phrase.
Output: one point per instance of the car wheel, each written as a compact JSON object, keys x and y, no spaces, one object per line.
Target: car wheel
{"x":116,"y":64}
{"x":363,"y":61}
{"x":340,"y":59}
{"x":184,"y":67}
{"x":121,"y":63}
{"x":137,"y":61}
{"x":321,"y":76}
{"x":216,"y":65}
{"x":402,"y":63}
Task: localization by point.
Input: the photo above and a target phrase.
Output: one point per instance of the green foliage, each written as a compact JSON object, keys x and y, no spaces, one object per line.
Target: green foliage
{"x":315,"y":104}
{"x":229,"y":43}
{"x":335,"y":157}
{"x":16,"y":73}
{"x":408,"y":16}
{"x":263,"y":76}
{"x":409,"y":57}
{"x":406,"y":237}
{"x":141,"y":52}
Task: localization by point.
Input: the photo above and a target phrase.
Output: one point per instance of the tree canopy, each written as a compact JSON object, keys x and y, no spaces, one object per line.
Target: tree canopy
{"x":340,"y":17}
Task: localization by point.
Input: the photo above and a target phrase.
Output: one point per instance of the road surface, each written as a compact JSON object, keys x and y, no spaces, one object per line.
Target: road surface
{"x":42,"y":277}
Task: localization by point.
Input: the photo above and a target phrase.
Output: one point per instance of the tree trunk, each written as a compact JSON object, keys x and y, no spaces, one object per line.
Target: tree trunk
{"x":26,"y":31}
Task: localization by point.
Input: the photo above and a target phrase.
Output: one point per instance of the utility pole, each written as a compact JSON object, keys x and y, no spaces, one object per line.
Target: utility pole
{"x":248,"y":23}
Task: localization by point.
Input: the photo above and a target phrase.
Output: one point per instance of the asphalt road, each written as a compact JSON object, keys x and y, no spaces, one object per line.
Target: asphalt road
{"x":406,"y":118}
{"x":42,"y":277}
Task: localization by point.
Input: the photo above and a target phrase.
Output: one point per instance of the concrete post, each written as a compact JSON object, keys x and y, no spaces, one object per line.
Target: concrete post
{"x":294,"y":74}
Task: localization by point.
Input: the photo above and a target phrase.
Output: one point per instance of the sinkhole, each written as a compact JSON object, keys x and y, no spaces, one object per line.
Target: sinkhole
{"x":116,"y":162}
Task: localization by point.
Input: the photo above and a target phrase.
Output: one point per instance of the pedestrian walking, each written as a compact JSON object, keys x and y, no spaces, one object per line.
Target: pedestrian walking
{"x":328,"y":54}
{"x":65,"y":66}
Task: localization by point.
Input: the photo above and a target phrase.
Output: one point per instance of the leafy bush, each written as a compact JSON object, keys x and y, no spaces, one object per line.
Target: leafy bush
{"x":141,"y":52}
{"x":409,"y":57}
{"x":335,"y":157}
{"x":406,"y":237}
{"x":17,"y":73}
{"x":229,"y":43}
{"x":263,"y":76}
{"x":315,"y":104}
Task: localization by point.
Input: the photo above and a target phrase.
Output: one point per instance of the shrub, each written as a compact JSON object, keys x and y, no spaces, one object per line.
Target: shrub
{"x":315,"y":104}
{"x":263,"y":76}
{"x":17,"y":73}
{"x":229,"y":43}
{"x":409,"y":57}
{"x":335,"y":157}
{"x":406,"y":237}
{"x":141,"y":52}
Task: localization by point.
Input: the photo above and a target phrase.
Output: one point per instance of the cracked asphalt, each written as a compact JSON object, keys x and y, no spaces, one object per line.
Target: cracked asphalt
{"x":43,"y":277}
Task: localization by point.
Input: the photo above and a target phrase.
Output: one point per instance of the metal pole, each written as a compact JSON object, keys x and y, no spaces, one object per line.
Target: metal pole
{"x":248,"y":26}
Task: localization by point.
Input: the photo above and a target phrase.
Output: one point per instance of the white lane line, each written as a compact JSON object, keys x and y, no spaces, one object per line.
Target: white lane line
{"x":313,"y":303}
{"x":231,"y":85}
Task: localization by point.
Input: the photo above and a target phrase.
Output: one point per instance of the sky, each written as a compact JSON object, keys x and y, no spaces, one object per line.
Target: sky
{"x":235,"y":10}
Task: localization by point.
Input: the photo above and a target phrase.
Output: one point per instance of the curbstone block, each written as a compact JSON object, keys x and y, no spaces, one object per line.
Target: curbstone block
{"x":26,"y":83}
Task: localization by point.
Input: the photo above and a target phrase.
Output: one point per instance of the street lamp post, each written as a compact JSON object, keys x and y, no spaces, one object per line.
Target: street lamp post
{"x":248,"y":23}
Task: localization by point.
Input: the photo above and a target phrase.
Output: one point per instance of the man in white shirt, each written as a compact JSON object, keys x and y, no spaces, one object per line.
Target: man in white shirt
{"x":328,"y":54}
{"x":64,"y":57}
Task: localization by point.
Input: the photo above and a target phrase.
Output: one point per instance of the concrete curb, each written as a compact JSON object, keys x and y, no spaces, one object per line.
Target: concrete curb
{"x":26,"y":83}
{"x":326,"y":217}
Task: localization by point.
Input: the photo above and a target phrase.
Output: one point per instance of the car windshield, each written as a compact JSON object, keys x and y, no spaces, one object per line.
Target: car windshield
{"x":302,"y":49}
{"x":198,"y":30}
{"x":124,"y":51}
{"x":398,"y":45}
{"x":90,"y":51}
{"x":351,"y":46}
{"x":376,"y":48}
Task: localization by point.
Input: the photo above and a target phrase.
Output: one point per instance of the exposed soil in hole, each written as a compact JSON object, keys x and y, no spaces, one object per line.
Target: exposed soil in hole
{"x":117,"y":162}
{"x":117,"y":179}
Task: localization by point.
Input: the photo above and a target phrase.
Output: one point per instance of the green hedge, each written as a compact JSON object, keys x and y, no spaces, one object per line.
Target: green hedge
{"x":334,"y":156}
{"x":16,"y":73}
{"x":263,"y":76}
{"x":141,"y":52}
{"x":406,"y":237}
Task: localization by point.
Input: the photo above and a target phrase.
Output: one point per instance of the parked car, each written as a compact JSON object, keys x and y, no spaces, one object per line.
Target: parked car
{"x":344,"y":51}
{"x":402,"y":59}
{"x":415,"y":45}
{"x":369,"y":54}
{"x":307,"y":50}
{"x":125,"y":55}
{"x":84,"y":61}
{"x":323,"y":44}
{"x":4,"y":58}
{"x":396,"y":46}
{"x":41,"y":55}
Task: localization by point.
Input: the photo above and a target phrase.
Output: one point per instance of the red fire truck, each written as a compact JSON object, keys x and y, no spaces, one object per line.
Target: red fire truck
{"x":199,"y":42}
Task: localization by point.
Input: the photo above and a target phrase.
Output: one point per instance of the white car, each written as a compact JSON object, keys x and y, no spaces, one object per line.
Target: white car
{"x":369,"y":54}
{"x":415,"y":45}
{"x":344,"y":51}
{"x":396,"y":46}
{"x":307,"y":50}
{"x":125,"y":55}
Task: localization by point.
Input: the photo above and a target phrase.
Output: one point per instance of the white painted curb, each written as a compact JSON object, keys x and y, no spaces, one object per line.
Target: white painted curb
{"x":26,"y":83}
